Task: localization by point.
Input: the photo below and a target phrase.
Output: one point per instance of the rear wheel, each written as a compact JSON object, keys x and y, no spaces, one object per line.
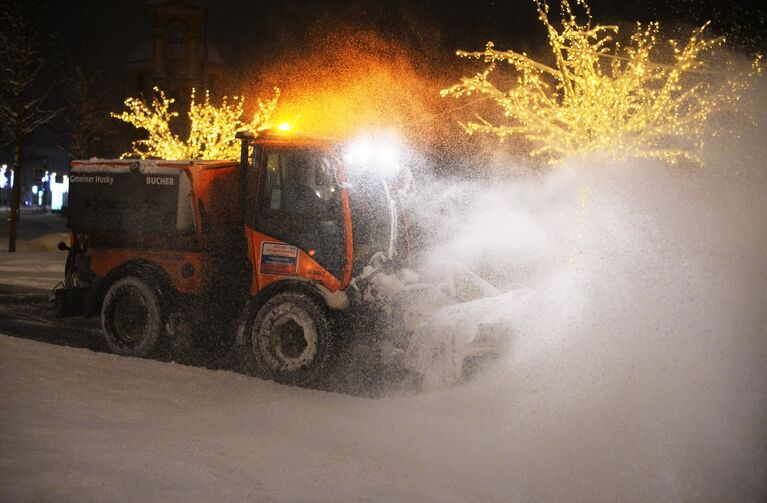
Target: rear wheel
{"x":289,"y":340}
{"x":131,"y":317}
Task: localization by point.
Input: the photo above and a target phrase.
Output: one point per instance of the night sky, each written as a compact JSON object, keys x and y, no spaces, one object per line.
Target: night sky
{"x":100,"y":34}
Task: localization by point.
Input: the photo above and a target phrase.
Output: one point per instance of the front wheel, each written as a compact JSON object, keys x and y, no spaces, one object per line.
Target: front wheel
{"x":131,"y":317}
{"x":289,"y":340}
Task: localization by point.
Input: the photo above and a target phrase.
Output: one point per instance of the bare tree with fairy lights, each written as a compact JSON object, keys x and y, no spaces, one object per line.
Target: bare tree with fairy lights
{"x":600,"y":96}
{"x":212,"y":128}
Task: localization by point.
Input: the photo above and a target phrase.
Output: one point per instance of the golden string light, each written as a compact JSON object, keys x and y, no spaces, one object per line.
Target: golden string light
{"x":598,"y":96}
{"x":212,"y":129}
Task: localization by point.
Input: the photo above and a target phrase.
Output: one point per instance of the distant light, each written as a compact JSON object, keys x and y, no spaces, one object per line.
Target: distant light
{"x":58,"y":189}
{"x":34,"y":189}
{"x":5,"y":172}
{"x":285,"y":126}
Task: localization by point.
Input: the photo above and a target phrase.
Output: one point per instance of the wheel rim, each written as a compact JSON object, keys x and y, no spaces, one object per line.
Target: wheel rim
{"x":129,"y":318}
{"x":288,"y":338}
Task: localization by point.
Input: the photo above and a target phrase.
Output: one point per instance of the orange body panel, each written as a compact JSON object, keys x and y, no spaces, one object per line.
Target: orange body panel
{"x":104,"y":260}
{"x":305,"y":266}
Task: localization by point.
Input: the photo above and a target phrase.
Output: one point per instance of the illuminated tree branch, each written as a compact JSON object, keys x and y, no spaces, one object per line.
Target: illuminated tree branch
{"x":212,"y":129}
{"x":600,"y":96}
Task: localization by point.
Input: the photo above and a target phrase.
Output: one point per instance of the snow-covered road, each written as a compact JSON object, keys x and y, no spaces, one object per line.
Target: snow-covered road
{"x":83,"y":426}
{"x":77,"y":425}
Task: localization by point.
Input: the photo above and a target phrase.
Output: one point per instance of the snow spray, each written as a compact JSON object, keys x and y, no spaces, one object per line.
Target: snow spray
{"x":638,"y":321}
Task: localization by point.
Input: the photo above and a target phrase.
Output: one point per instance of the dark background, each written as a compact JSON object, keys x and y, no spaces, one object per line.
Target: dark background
{"x":103,"y":32}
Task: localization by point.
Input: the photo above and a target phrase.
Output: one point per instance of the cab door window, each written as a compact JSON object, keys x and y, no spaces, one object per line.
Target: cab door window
{"x":299,"y":204}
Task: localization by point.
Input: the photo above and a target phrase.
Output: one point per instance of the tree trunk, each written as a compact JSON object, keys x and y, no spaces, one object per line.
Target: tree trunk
{"x":15,"y":197}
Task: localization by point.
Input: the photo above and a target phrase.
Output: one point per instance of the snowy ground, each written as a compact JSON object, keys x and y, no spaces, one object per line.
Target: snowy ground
{"x":82,"y":426}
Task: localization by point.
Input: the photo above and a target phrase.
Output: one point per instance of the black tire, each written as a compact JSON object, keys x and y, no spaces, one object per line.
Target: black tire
{"x":131,"y":317}
{"x":289,"y":340}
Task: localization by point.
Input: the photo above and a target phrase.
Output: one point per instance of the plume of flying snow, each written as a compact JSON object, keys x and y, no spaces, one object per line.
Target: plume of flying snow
{"x":634,"y":297}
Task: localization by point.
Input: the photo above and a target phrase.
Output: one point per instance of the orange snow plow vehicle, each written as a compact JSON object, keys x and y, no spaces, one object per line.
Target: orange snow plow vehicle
{"x":269,"y":252}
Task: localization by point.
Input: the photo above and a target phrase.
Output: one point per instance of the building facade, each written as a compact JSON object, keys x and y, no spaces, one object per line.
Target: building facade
{"x":177,"y":56}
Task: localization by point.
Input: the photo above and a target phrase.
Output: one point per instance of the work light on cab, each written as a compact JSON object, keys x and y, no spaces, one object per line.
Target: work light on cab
{"x":380,"y":154}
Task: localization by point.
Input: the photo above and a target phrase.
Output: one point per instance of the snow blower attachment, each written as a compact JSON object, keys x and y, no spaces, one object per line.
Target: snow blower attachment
{"x":287,"y":250}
